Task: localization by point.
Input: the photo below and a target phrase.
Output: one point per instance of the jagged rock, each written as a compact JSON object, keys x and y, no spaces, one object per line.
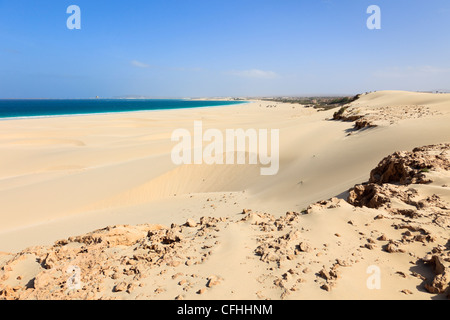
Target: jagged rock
{"x":441,"y":281}
{"x":325,"y":274}
{"x":271,"y":257}
{"x":305,"y":247}
{"x":117,"y":235}
{"x":408,"y":167}
{"x":95,"y":259}
{"x":329,"y":276}
{"x":191,"y":223}
{"x":343,"y":263}
{"x":409,"y":213}
{"x":351,"y":114}
{"x":368,"y":195}
{"x":326,"y":287}
{"x":324,"y":204}
{"x":50,"y":260}
{"x":344,"y":116}
{"x":293,"y":235}
{"x":42,"y":280}
{"x":201,"y":291}
{"x":171,"y":237}
{"x":402,"y":168}
{"x":439,"y":285}
{"x":393,"y":248}
{"x":7,"y":293}
{"x":363,"y":124}
{"x":123,"y":286}
{"x":255,"y":218}
{"x":406,"y":291}
{"x":208,"y":222}
{"x":213,"y":281}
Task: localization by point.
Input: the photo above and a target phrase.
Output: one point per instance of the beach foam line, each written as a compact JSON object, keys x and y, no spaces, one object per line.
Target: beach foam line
{"x":118,"y":112}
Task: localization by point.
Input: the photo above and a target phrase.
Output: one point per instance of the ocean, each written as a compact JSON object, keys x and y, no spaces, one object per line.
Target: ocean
{"x":13,"y":108}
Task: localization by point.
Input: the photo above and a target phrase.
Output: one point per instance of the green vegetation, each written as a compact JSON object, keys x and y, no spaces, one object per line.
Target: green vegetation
{"x":320,"y":103}
{"x":344,"y":100}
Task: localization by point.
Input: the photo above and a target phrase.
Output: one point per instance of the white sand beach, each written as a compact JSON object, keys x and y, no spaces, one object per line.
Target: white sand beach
{"x":63,"y":177}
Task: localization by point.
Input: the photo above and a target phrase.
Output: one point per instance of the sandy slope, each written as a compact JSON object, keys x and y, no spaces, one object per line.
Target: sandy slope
{"x":67,"y":176}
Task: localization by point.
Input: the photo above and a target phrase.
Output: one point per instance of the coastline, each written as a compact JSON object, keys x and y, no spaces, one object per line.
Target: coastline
{"x":114,"y":112}
{"x":67,"y":176}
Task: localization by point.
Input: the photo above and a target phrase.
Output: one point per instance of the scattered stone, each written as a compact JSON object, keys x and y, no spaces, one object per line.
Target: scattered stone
{"x":201,"y":291}
{"x":415,"y":274}
{"x":305,"y":247}
{"x":174,"y":263}
{"x":191,"y":223}
{"x":159,"y":290}
{"x":393,"y":248}
{"x":407,"y":292}
{"x":120,"y":287}
{"x":212,"y":283}
{"x":325,"y":274}
{"x":326,"y":287}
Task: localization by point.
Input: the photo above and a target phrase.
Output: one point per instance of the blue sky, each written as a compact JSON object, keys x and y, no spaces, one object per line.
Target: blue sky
{"x":191,"y":48}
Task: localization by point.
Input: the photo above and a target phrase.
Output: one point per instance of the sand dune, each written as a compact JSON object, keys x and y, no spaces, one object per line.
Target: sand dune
{"x":403,"y":98}
{"x":66,"y":176}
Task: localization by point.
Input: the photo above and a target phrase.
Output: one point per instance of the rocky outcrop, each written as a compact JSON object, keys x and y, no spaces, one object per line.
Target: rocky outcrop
{"x":361,"y":122}
{"x":112,"y":260}
{"x":410,"y":167}
{"x":390,"y":187}
{"x":369,"y":195}
{"x":343,"y":115}
{"x":367,"y":116}
{"x":401,"y":169}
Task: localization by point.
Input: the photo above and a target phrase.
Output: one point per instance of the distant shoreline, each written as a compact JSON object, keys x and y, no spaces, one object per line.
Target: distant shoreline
{"x":7,"y":111}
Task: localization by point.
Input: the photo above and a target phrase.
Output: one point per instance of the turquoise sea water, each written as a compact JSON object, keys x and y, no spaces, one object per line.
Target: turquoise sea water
{"x":39,"y":108}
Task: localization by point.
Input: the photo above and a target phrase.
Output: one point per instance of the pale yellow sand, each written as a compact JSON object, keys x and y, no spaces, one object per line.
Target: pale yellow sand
{"x":67,"y":176}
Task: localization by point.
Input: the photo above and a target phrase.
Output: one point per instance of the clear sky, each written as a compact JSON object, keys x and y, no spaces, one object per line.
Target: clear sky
{"x":191,"y":48}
